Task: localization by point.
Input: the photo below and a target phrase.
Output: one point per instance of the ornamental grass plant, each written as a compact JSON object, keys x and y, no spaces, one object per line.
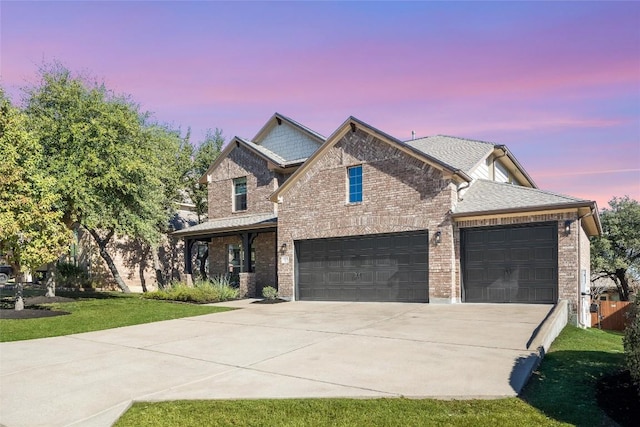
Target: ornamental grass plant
{"x":216,"y":289}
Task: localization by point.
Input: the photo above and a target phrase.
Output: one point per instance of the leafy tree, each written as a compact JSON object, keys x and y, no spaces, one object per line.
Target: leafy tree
{"x":31,"y":229}
{"x":616,"y":254}
{"x":104,"y":155}
{"x":632,"y":342}
{"x":201,"y":158}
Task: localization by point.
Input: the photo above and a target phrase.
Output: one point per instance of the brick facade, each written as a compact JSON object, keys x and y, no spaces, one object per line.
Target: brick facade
{"x":400,"y":193}
{"x":261,"y":182}
{"x":265,"y":250}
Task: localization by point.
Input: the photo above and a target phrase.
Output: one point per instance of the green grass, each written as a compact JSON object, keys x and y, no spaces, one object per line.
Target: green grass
{"x":561,"y":392}
{"x":564,"y":387}
{"x":335,"y":412}
{"x":100,"y":311}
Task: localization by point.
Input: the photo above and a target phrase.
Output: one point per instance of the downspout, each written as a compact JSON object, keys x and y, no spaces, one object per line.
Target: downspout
{"x":583,"y":295}
{"x":493,"y":164}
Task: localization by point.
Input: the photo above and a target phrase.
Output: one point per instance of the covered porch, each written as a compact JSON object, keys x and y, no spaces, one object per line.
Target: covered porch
{"x":242,"y":248}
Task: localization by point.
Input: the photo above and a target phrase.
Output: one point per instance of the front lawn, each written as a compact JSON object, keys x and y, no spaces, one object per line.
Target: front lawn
{"x":98,"y":311}
{"x":565,"y":386}
{"x":561,"y":392}
{"x":335,"y":412}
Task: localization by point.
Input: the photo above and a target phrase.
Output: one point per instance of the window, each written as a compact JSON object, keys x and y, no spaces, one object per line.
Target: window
{"x":355,"y":184}
{"x":240,"y":194}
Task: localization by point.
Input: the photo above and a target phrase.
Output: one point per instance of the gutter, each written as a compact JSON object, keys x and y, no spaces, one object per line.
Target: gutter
{"x":522,"y":209}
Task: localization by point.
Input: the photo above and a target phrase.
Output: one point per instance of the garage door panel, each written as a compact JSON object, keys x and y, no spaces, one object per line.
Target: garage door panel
{"x":520,"y":268}
{"x":495,"y":236}
{"x":390,"y":267}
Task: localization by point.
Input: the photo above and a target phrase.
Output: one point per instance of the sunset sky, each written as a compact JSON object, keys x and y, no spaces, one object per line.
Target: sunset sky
{"x":558,"y":83}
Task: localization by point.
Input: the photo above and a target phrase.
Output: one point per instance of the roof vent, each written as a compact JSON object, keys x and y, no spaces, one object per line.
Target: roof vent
{"x":413,"y":135}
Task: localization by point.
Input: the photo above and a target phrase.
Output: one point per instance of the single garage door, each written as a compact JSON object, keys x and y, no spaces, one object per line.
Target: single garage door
{"x":511,"y":264}
{"x":381,"y":267}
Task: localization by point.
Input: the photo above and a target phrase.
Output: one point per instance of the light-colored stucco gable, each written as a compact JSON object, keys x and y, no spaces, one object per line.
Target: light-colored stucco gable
{"x":288,"y":142}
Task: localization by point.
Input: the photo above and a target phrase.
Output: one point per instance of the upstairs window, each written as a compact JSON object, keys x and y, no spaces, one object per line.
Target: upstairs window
{"x":240,"y":194}
{"x":355,"y":184}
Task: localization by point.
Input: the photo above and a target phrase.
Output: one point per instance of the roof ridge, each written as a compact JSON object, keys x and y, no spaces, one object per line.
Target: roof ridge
{"x":466,"y":139}
{"x":423,"y":138}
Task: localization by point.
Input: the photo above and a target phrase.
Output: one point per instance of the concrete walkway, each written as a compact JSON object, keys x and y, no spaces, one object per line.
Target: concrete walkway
{"x":282,"y":350}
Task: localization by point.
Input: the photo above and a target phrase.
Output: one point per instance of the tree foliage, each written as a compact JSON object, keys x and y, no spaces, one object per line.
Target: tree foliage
{"x":632,"y":341}
{"x":31,"y":229}
{"x":616,"y":254}
{"x":201,"y":157}
{"x":110,"y":163}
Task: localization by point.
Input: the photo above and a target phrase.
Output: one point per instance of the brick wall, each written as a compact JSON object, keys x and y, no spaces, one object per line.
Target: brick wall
{"x":261,"y":182}
{"x":400,"y":193}
{"x":265,"y":266}
{"x":568,"y":262}
{"x":265,"y":244}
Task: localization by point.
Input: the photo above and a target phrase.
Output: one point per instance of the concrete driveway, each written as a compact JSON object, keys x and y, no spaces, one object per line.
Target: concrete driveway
{"x":285,"y":350}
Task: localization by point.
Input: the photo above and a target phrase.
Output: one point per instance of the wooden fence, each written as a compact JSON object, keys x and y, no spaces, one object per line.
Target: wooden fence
{"x":613,"y":315}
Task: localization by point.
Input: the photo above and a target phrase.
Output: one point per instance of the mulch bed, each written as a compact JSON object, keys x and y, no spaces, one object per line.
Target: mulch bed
{"x":34,"y":310}
{"x":619,"y":398}
{"x":269,"y":301}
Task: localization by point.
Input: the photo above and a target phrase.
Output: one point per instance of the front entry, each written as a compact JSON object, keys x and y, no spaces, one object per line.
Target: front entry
{"x":381,"y":267}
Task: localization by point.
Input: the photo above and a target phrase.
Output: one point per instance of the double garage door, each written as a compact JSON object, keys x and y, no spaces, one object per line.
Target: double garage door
{"x":502,"y":264}
{"x":510,"y":264}
{"x":382,"y":267}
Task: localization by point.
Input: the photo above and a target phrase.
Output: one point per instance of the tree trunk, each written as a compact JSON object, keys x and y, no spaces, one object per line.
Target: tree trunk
{"x":157,"y":267}
{"x":102,"y":247}
{"x":203,"y":264}
{"x":623,"y":284}
{"x":50,"y":283}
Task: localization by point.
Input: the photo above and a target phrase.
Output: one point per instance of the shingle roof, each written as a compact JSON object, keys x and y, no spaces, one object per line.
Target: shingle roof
{"x":264,"y":151}
{"x":459,"y":153}
{"x":223,"y":224}
{"x":487,"y":196}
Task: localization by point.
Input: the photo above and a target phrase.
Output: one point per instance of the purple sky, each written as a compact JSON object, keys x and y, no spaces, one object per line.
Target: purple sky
{"x":558,"y":83}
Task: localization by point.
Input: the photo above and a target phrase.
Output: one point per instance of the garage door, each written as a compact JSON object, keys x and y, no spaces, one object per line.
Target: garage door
{"x":511,"y":264}
{"x":382,"y":267}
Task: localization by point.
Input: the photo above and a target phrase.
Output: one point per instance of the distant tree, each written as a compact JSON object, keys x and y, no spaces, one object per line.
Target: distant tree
{"x":31,"y":229}
{"x":202,"y":156}
{"x":104,"y":155}
{"x":616,"y":254}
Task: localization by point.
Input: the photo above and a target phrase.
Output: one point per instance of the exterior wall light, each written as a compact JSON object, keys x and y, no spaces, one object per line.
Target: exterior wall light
{"x":438,"y":237}
{"x":567,"y":227}
{"x":283,"y":248}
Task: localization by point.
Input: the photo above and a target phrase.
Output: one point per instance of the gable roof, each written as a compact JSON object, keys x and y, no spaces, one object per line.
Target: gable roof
{"x":352,"y":124}
{"x":267,"y":154}
{"x":486,"y":197}
{"x":466,"y":154}
{"x":278,"y":118}
{"x":460,"y":153}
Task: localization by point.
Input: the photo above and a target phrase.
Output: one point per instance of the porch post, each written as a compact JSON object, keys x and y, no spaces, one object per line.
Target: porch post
{"x":188,"y":267}
{"x":247,"y":242}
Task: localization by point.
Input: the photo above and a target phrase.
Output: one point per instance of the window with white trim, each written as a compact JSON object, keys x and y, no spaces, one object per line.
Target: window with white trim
{"x":355,"y":184}
{"x":240,"y":194}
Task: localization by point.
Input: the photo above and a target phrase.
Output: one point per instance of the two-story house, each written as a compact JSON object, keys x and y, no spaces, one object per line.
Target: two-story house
{"x":363,"y":216}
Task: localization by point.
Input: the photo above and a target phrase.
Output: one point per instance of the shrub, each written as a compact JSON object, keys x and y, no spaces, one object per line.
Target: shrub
{"x":632,"y":341}
{"x":269,"y":292}
{"x":72,"y":276}
{"x":203,"y":291}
